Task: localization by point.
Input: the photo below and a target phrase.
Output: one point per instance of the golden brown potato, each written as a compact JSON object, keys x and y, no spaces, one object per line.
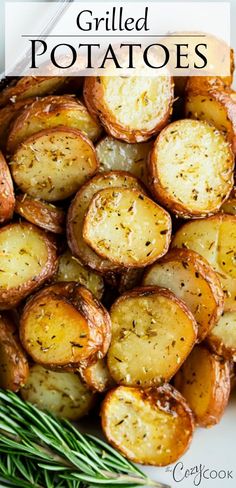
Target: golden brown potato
{"x":215,"y":106}
{"x":222,"y":338}
{"x":8,"y":114}
{"x":7,"y":197}
{"x":97,"y":376}
{"x":42,"y":214}
{"x":50,"y":112}
{"x":214,"y":238}
{"x":28,"y":258}
{"x":229,"y":207}
{"x":130,"y":108}
{"x":78,"y":209}
{"x":152,"y":426}
{"x":113,"y":154}
{"x":190,"y":278}
{"x":53,"y":164}
{"x":14,"y":367}
{"x":63,"y":394}
{"x":31,"y":86}
{"x":204,"y":380}
{"x":152,"y":334}
{"x":64,"y":325}
{"x":178,"y":162}
{"x":126,"y":227}
{"x":70,"y":269}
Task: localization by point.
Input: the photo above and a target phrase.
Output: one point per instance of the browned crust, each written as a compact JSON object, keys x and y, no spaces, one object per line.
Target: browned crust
{"x":161,"y":193}
{"x":19,"y":89}
{"x":11,"y":297}
{"x":164,"y":398}
{"x":7,"y":116}
{"x":14,"y":374}
{"x":205,"y":270}
{"x":40,"y":213}
{"x":7,"y":197}
{"x":93,"y":96}
{"x":220,"y":382}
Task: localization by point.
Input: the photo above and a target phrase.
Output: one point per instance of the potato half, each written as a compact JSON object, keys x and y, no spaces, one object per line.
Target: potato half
{"x":152,"y":426}
{"x":50,"y":112}
{"x":78,"y":209}
{"x":222,"y":338}
{"x":7,"y":197}
{"x":152,"y":334}
{"x":27,"y":259}
{"x":14,"y":369}
{"x":97,"y":376}
{"x":64,"y":325}
{"x":42,"y":214}
{"x":8,"y":114}
{"x":31,"y":86}
{"x":229,"y":207}
{"x":113,"y":154}
{"x":126,"y":227}
{"x":70,"y":269}
{"x":190,"y":278}
{"x":178,"y":163}
{"x":131,"y":108}
{"x":204,"y":380}
{"x":214,"y":238}
{"x":63,"y":394}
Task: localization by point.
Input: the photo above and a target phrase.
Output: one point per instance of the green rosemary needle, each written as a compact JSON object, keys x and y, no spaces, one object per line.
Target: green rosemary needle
{"x":41,"y":451}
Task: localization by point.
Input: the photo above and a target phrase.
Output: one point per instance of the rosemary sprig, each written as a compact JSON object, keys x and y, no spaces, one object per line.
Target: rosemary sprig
{"x":40,"y":451}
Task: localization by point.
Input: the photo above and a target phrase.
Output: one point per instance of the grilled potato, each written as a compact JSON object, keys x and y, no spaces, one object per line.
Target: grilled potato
{"x":50,"y":112}
{"x":63,"y":394}
{"x":129,"y":278}
{"x":53,"y":164}
{"x":70,"y":269}
{"x":42,"y":214}
{"x":178,"y":163}
{"x":31,"y":86}
{"x":7,"y":198}
{"x":190,"y":278}
{"x":204,"y":380}
{"x":64,"y":325}
{"x":8,"y":114}
{"x":222,"y":338}
{"x":152,"y":334}
{"x":130,"y":108}
{"x":126,"y":227}
{"x":27,"y":259}
{"x":229,"y":207}
{"x":118,"y":155}
{"x":152,"y":426}
{"x":78,"y":209}
{"x":218,"y":107}
{"x":97,"y":376}
{"x":14,"y":368}
{"x":214,"y":238}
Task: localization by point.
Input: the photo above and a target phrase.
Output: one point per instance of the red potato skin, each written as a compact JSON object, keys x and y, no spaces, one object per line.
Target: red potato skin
{"x":7,"y":197}
{"x":40,"y":213}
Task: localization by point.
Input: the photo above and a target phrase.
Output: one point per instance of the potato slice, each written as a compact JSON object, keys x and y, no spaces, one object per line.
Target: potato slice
{"x":178,"y":163}
{"x":27,"y":259}
{"x":50,"y":112}
{"x":126,"y":227}
{"x":7,"y":198}
{"x":70,"y":269}
{"x":190,"y":278}
{"x":63,"y":394}
{"x":152,"y":334}
{"x":14,"y":369}
{"x":214,"y":238}
{"x":204,"y":380}
{"x":118,"y":155}
{"x":222,"y":338}
{"x":130,"y":108}
{"x":216,"y":106}
{"x":64,"y":325}
{"x":152,"y":426}
{"x":31,"y":86}
{"x":78,"y":209}
{"x":42,"y":214}
{"x":53,"y":164}
{"x":129,"y":278}
{"x":8,"y":114}
{"x":97,"y":376}
{"x":229,"y":207}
